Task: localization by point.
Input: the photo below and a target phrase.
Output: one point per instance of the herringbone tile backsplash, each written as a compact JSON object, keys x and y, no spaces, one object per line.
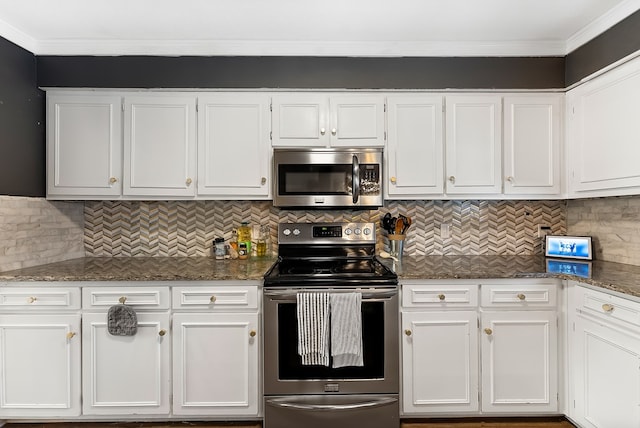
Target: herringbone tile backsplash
{"x":179,"y":229}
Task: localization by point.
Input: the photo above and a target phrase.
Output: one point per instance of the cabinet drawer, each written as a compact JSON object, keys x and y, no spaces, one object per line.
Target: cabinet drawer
{"x":611,"y":307}
{"x":137,"y":297}
{"x":439,"y":295}
{"x":216,"y":297}
{"x":39,"y":298}
{"x":516,"y":295}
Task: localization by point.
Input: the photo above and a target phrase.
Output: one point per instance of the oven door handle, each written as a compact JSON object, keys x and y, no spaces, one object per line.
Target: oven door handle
{"x":298,"y":404}
{"x":383,"y":293}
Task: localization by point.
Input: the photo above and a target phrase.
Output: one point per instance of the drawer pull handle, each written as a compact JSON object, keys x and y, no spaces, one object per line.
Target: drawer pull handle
{"x":607,"y":307}
{"x":122,"y":300}
{"x":252,"y":333}
{"x":407,"y":332}
{"x":213,"y":299}
{"x":70,"y":335}
{"x":521,"y":296}
{"x":162,"y":332}
{"x":441,"y":296}
{"x":488,"y":331}
{"x":32,"y":299}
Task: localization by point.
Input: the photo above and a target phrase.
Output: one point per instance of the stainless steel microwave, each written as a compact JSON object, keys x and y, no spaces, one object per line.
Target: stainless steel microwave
{"x":327,"y":178}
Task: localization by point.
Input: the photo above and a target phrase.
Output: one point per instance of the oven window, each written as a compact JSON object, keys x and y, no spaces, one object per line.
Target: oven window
{"x":290,"y":363}
{"x":315,"y":179}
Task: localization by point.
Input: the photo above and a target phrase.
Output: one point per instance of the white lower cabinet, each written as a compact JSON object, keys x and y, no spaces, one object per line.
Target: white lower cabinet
{"x":604,"y":359}
{"x":39,"y":352}
{"x":489,"y":348}
{"x":215,"y":351}
{"x":126,"y":375}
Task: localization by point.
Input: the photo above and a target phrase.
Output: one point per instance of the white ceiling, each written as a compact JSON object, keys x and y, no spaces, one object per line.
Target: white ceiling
{"x":306,"y":27}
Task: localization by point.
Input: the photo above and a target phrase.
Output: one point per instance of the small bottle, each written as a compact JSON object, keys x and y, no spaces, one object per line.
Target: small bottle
{"x":243,"y":252}
{"x":261,"y":243}
{"x":244,"y":235}
{"x":233,"y":242}
{"x":219,"y":250}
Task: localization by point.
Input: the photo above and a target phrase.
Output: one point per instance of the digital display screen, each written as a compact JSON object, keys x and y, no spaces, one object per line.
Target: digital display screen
{"x":573,"y":247}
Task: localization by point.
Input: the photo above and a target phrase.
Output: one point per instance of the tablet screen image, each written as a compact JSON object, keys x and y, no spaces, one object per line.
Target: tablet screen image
{"x":572,"y":247}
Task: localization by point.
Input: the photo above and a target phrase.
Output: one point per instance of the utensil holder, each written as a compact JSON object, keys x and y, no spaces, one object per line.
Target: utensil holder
{"x":396,"y":245}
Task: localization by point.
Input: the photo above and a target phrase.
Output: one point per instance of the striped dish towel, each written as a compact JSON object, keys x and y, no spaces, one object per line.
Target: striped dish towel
{"x":346,"y":329}
{"x":313,"y":328}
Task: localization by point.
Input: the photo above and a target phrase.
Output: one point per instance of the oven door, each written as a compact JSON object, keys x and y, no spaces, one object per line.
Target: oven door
{"x":327,"y":178}
{"x":284,"y":372}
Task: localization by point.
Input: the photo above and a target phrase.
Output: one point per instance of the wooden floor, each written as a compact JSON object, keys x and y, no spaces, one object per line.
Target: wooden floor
{"x":435,"y":423}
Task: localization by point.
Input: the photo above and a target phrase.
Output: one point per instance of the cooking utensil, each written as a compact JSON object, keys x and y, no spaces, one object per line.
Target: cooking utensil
{"x":386,"y":222}
{"x":407,"y":223}
{"x":399,"y":226}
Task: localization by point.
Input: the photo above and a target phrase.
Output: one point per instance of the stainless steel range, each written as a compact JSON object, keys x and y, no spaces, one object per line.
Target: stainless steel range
{"x":329,"y":265}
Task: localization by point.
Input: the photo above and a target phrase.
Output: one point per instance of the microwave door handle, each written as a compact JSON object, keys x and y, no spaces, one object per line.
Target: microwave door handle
{"x":356,"y":179}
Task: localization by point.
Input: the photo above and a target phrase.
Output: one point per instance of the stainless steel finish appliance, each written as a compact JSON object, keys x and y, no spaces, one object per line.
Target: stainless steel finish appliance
{"x":327,"y":178}
{"x":333,"y":258}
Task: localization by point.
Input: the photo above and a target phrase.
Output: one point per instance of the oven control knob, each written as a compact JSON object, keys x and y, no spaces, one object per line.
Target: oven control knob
{"x":296,"y":232}
{"x":357,"y":231}
{"x":286,"y":232}
{"x":366,"y":231}
{"x":347,"y":231}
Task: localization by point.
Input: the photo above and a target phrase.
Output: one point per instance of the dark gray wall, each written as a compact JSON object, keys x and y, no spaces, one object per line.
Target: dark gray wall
{"x":301,"y":72}
{"x":22,"y":141}
{"x":619,"y":41}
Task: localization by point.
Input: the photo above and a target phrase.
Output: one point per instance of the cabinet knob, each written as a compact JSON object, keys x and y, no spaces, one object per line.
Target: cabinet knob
{"x":441,"y":296}
{"x":32,"y":299}
{"x":212,"y":299}
{"x":521,"y":296}
{"x":70,"y":335}
{"x":607,"y":307}
{"x":407,"y":332}
{"x":122,"y":300}
{"x":452,"y":179}
{"x":252,"y":333}
{"x":488,"y":331}
{"x":393,"y":180}
{"x":334,"y":131}
{"x":510,"y":179}
{"x":323,"y":131}
{"x":113,"y":180}
{"x":263,"y":181}
{"x":162,"y":332}
{"x":189,"y":181}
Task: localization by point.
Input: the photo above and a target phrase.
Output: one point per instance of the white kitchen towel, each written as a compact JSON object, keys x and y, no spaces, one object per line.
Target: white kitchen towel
{"x":313,"y":328}
{"x":346,"y":329}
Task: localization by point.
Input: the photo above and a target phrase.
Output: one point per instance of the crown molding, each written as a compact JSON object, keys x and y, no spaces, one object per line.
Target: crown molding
{"x":298,"y":48}
{"x":601,"y":24}
{"x":16,"y":36}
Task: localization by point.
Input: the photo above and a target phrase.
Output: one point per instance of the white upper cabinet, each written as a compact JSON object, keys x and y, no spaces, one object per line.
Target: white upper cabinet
{"x":159,"y":145}
{"x":414,"y":155}
{"x":604,"y":134}
{"x":323,"y":120}
{"x":234,"y":153}
{"x":532,"y":144}
{"x":473,"y":144}
{"x":84,"y":145}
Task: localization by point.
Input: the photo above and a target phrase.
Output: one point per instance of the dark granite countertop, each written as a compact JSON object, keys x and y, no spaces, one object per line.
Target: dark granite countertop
{"x":615,"y":277}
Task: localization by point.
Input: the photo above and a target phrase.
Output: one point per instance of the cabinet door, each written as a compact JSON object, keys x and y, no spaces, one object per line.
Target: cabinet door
{"x":532,"y":145}
{"x":125,"y":375}
{"x":602,"y":116}
{"x":414,"y":154}
{"x":473,"y":144}
{"x":606,"y":369}
{"x":439,"y":362}
{"x":233,"y":145}
{"x":300,"y":120}
{"x":215,"y":364}
{"x":39,"y":365}
{"x":357,"y":121}
{"x":159,"y":145}
{"x":519,"y":362}
{"x":84,"y":145}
